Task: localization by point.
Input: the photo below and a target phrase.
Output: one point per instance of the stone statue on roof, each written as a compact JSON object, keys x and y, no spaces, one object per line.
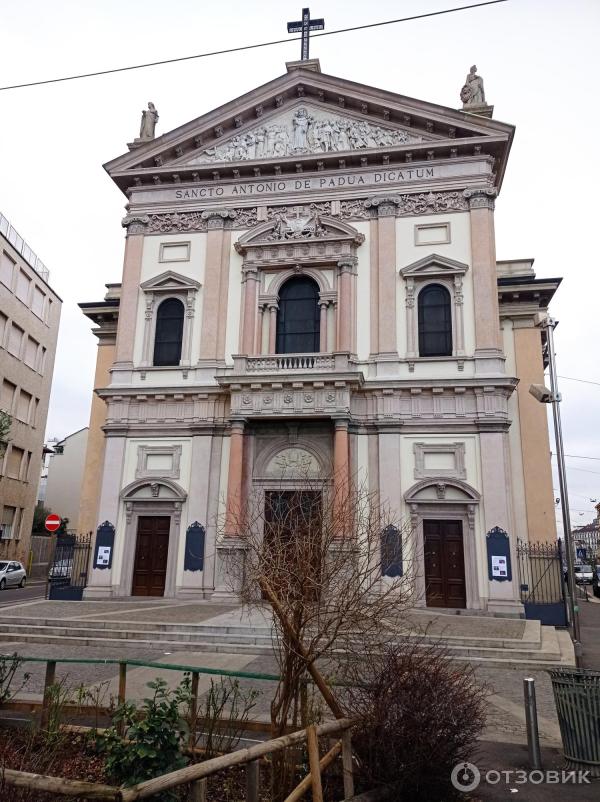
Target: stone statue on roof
{"x":472,"y":93}
{"x":149,"y":120}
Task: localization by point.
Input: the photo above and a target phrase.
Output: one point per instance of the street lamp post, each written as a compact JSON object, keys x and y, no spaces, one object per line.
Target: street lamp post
{"x":553,"y":397}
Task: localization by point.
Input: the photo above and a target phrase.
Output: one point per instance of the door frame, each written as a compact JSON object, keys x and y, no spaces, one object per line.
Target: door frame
{"x":447,"y":499}
{"x":140,"y":501}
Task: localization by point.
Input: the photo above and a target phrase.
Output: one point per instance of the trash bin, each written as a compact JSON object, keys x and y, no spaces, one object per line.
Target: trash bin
{"x":577,"y":699}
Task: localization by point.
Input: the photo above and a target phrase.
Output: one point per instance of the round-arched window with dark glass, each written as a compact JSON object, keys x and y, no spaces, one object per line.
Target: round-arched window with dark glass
{"x":435,"y":321}
{"x":169,"y":332}
{"x":298,"y":327}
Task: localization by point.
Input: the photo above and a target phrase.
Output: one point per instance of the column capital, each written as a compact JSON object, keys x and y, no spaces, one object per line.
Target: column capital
{"x":237,"y":424}
{"x":135,"y":223}
{"x":215,"y":218}
{"x":481,"y":197}
{"x":347,"y":264}
{"x":385,"y":206}
{"x":341,"y":423}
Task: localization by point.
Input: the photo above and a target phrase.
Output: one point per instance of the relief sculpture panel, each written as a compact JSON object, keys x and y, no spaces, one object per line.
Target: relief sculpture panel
{"x":305,"y":131}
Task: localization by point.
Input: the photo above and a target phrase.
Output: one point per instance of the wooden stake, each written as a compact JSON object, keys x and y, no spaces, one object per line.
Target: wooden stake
{"x":48,"y":681}
{"x":252,"y":781}
{"x":312,"y":742}
{"x":199,"y":790}
{"x":122,"y":693}
{"x":193,"y":708}
{"x":347,"y":764}
{"x":304,"y":786}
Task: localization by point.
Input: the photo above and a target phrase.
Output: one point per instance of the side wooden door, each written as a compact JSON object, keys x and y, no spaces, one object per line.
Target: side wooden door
{"x":444,"y":564}
{"x":151,"y":551}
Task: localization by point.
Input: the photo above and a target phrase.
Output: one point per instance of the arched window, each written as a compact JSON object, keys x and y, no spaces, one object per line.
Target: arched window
{"x":435,"y":321}
{"x":169,"y":332}
{"x":298,"y":317}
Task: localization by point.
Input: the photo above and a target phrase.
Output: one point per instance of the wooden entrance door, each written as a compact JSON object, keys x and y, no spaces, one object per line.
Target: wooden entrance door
{"x":444,"y":564}
{"x":292,"y":540}
{"x":151,"y":550}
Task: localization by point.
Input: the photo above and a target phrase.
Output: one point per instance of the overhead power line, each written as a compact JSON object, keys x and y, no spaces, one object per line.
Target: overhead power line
{"x":583,"y":381}
{"x":577,"y":456}
{"x":247,"y":47}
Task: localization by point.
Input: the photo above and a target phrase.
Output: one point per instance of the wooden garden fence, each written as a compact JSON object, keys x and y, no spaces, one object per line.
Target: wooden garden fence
{"x":196,"y":774}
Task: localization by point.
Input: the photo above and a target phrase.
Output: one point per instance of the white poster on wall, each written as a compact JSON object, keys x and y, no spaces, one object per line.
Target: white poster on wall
{"x":499,"y":567}
{"x":103,"y":555}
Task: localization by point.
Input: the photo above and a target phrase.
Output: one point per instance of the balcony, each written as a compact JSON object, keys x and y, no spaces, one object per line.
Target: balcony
{"x":292,"y":364}
{"x":281,"y":385}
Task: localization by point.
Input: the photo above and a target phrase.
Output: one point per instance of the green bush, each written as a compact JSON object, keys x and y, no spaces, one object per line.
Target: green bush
{"x":153,"y":736}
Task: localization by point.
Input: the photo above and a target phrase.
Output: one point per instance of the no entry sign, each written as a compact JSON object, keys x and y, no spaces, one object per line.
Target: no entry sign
{"x":52,"y":523}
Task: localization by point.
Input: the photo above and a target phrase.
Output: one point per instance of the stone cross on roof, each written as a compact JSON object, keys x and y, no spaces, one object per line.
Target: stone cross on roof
{"x":306,"y":25}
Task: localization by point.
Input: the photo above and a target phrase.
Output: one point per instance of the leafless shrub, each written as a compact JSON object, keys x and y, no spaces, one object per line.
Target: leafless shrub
{"x":420,"y":715}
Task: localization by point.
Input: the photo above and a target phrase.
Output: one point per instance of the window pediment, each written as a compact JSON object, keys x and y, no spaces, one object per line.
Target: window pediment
{"x":296,"y":226}
{"x":169,"y":281}
{"x":434,"y":265}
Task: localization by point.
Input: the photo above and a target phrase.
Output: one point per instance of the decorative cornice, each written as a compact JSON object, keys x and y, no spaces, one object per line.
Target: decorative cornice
{"x":481,"y":197}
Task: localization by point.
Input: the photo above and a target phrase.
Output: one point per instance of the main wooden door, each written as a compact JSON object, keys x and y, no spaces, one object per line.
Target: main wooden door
{"x":292,"y":540}
{"x":151,"y":550}
{"x":444,"y":564}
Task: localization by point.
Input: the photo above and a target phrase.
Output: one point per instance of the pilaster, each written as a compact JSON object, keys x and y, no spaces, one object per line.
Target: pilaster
{"x":130,"y":290}
{"x":383,"y":265}
{"x":216,"y":285}
{"x":488,"y":340}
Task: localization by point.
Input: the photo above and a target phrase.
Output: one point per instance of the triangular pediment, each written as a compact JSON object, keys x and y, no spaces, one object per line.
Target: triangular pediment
{"x":169,"y":281}
{"x":434,"y":265}
{"x":346,"y":124}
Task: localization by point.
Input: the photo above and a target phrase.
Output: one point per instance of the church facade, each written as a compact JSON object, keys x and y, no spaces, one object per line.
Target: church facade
{"x":310,"y":280}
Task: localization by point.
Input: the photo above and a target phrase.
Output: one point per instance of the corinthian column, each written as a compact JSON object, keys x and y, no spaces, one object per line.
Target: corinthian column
{"x":488,"y":339}
{"x":272,"y":327}
{"x":323,"y":306}
{"x":341,"y":477}
{"x":250,"y":292}
{"x":346,"y":271}
{"x":234,"y":479}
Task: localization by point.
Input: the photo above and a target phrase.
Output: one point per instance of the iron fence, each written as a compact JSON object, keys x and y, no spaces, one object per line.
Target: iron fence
{"x":541,"y":581}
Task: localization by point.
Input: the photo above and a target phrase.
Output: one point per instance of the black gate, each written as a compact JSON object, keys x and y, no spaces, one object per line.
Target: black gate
{"x":541,"y":582}
{"x":67,"y":576}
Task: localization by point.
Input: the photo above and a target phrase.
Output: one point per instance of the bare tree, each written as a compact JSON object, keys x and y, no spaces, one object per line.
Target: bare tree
{"x":329,"y":562}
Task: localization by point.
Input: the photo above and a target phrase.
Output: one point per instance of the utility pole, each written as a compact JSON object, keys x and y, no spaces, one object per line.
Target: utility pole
{"x":554,"y":397}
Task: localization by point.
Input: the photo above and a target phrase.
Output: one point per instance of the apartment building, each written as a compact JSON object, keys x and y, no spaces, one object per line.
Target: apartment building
{"x":29,"y":321}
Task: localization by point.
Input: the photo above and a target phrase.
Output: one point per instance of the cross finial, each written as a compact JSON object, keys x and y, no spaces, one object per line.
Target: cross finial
{"x":305,"y":25}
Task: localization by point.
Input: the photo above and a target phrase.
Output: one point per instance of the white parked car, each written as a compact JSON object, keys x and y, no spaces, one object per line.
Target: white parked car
{"x":12,"y":574}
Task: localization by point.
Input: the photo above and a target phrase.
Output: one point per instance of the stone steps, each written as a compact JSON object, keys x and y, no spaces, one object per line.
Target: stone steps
{"x":542,"y":651}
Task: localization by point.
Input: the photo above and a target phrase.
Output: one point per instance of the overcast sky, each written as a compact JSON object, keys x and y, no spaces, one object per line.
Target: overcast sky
{"x":540,"y":63}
